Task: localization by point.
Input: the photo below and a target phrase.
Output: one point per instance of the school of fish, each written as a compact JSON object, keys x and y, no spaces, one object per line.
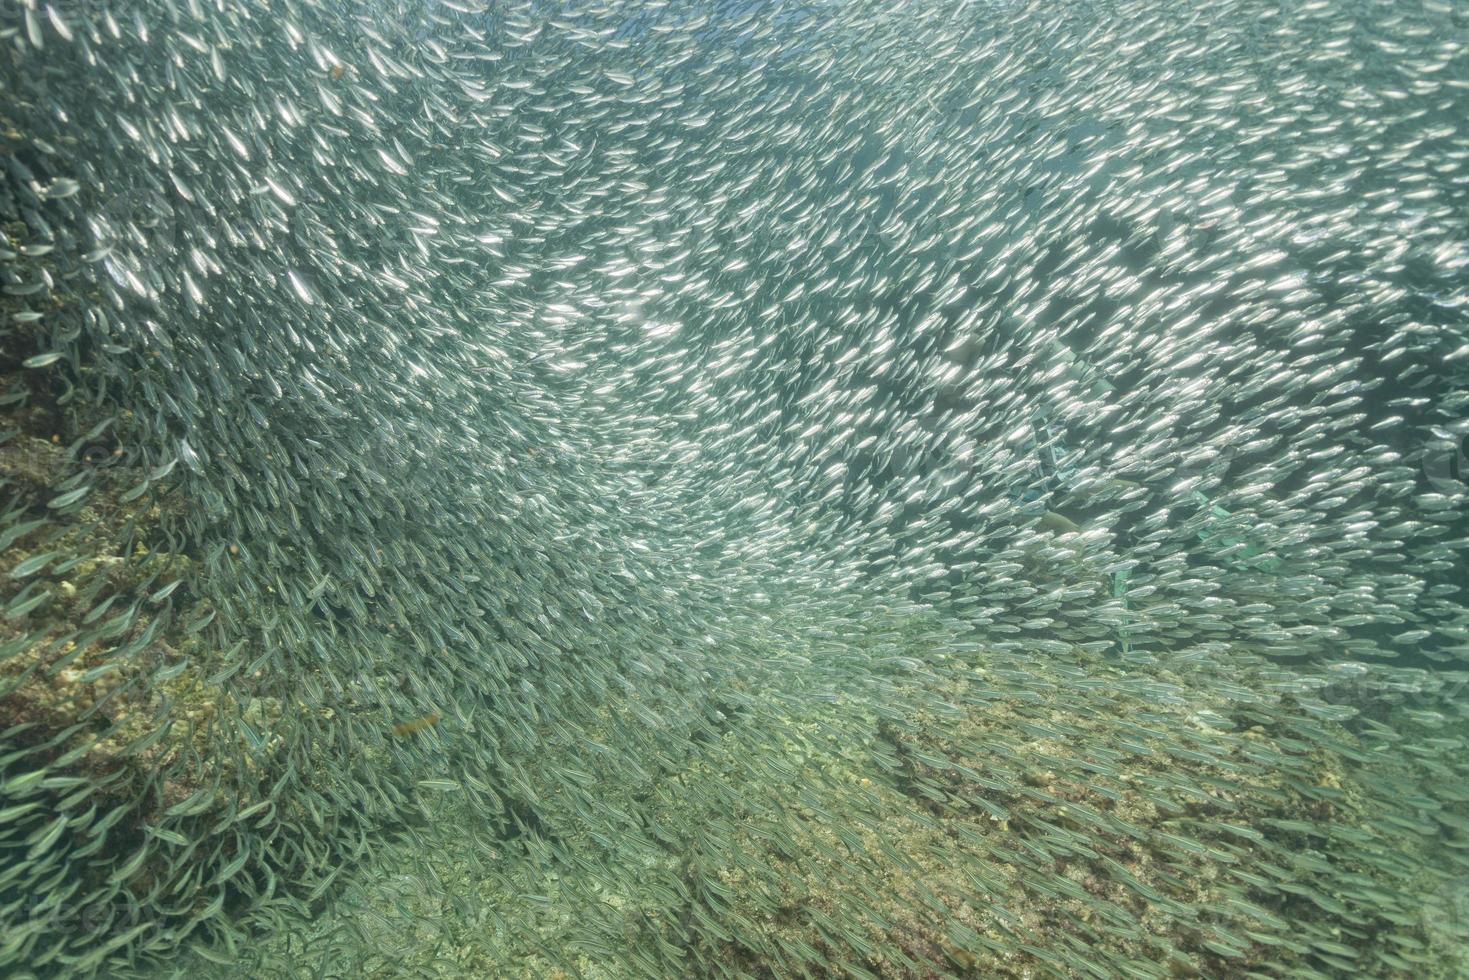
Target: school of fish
{"x":827,"y":488}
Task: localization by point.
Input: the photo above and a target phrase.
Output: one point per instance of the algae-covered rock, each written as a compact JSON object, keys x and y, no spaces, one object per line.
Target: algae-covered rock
{"x":957,"y":821}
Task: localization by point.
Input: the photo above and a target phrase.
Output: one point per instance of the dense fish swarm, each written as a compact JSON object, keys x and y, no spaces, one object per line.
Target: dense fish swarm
{"x":681,"y":489}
